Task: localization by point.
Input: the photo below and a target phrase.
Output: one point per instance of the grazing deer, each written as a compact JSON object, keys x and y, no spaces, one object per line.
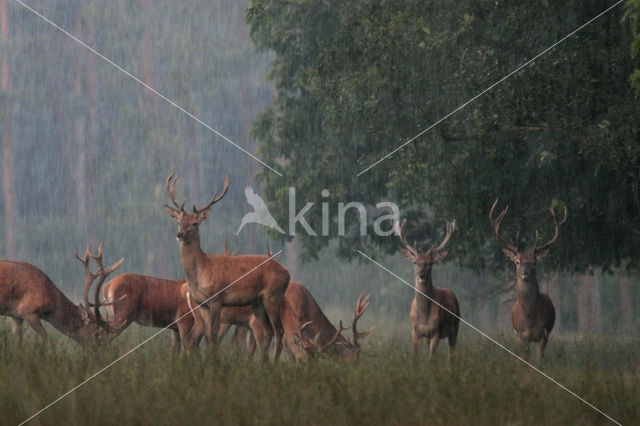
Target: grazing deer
{"x":325,"y":337}
{"x":27,"y":294}
{"x":308,"y":332}
{"x":153,"y":302}
{"x":435,"y":312}
{"x":533,"y":314}
{"x":218,"y":280}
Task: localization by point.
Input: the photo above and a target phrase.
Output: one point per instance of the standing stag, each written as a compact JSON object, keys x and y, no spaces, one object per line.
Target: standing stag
{"x":27,"y":294}
{"x":153,"y":302}
{"x":435,"y":312}
{"x":533,"y":314}
{"x":215,"y":280}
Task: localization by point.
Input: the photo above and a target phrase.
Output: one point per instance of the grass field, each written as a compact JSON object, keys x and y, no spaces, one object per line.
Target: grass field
{"x":484,"y":385}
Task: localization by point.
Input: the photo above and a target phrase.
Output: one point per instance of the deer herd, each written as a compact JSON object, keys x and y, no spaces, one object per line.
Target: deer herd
{"x":254,"y":293}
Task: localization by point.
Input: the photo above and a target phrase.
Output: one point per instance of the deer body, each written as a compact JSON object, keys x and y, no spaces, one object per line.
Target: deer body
{"x":429,"y":320}
{"x":533,"y":314}
{"x":153,"y":302}
{"x":435,"y":312}
{"x":27,"y":294}
{"x":215,"y":281}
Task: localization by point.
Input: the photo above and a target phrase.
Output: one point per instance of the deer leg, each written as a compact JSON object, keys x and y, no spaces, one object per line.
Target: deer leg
{"x":175,"y":341}
{"x":272,"y":306}
{"x":205,"y":315}
{"x":524,"y":347}
{"x":223,"y":330}
{"x":215,"y":309}
{"x":239,"y":335}
{"x":190,"y":335}
{"x":433,"y":345}
{"x":541,"y":347}
{"x":415,"y":339}
{"x":251,"y":344}
{"x":35,"y":323}
{"x":261,"y":328}
{"x":17,"y":329}
{"x":452,"y":340}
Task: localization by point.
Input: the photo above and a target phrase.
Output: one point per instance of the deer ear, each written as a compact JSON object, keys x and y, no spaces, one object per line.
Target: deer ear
{"x":440,"y":255}
{"x":172,"y":212}
{"x":202,"y":216}
{"x":509,"y":254}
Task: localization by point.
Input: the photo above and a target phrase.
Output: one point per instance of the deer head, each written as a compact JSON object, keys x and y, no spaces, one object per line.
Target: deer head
{"x":422,"y":262}
{"x":94,"y":325}
{"x":525,"y":261}
{"x":188,"y":222}
{"x":344,"y":346}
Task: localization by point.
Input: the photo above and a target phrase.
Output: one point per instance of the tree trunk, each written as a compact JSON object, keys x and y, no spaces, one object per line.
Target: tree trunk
{"x":292,"y":262}
{"x":245,"y":91}
{"x":552,"y":289}
{"x":93,"y":145}
{"x":626,"y":304}
{"x":506,"y":300}
{"x":485,"y":307}
{"x":588,"y":303}
{"x":80,"y":168}
{"x":7,"y":153}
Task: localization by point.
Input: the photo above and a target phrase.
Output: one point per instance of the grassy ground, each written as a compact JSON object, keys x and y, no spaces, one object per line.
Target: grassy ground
{"x":483,"y":385}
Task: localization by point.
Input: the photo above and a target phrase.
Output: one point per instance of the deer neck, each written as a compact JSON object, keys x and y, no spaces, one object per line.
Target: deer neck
{"x":66,"y":318}
{"x":528,"y":293}
{"x":191,"y":257}
{"x":424,"y":287}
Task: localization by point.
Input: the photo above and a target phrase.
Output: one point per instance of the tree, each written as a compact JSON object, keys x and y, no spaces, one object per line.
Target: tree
{"x":356,"y":80}
{"x":9,"y":197}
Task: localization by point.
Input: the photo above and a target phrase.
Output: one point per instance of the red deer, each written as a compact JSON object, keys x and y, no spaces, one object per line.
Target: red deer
{"x":27,"y":294}
{"x":308,"y":332}
{"x":215,"y":280}
{"x":533,"y":314}
{"x":435,"y":312}
{"x":153,"y":302}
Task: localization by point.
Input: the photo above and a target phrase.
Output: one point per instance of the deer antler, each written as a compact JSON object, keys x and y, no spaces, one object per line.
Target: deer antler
{"x":557,"y":226}
{"x":101,"y":273}
{"x":496,"y":226}
{"x":405,"y":248}
{"x":333,"y":339}
{"x":216,"y":197}
{"x":226,"y":251}
{"x":170,"y":185}
{"x":451,"y":227}
{"x":361,"y":306}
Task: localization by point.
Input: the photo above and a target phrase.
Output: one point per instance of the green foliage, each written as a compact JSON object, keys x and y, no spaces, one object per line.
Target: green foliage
{"x":633,"y":13}
{"x":356,"y":80}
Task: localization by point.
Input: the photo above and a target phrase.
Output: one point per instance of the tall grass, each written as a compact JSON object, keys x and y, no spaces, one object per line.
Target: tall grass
{"x":483,"y":385}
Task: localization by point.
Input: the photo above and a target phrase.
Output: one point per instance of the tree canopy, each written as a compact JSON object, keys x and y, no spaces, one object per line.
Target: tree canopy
{"x":355,"y":80}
